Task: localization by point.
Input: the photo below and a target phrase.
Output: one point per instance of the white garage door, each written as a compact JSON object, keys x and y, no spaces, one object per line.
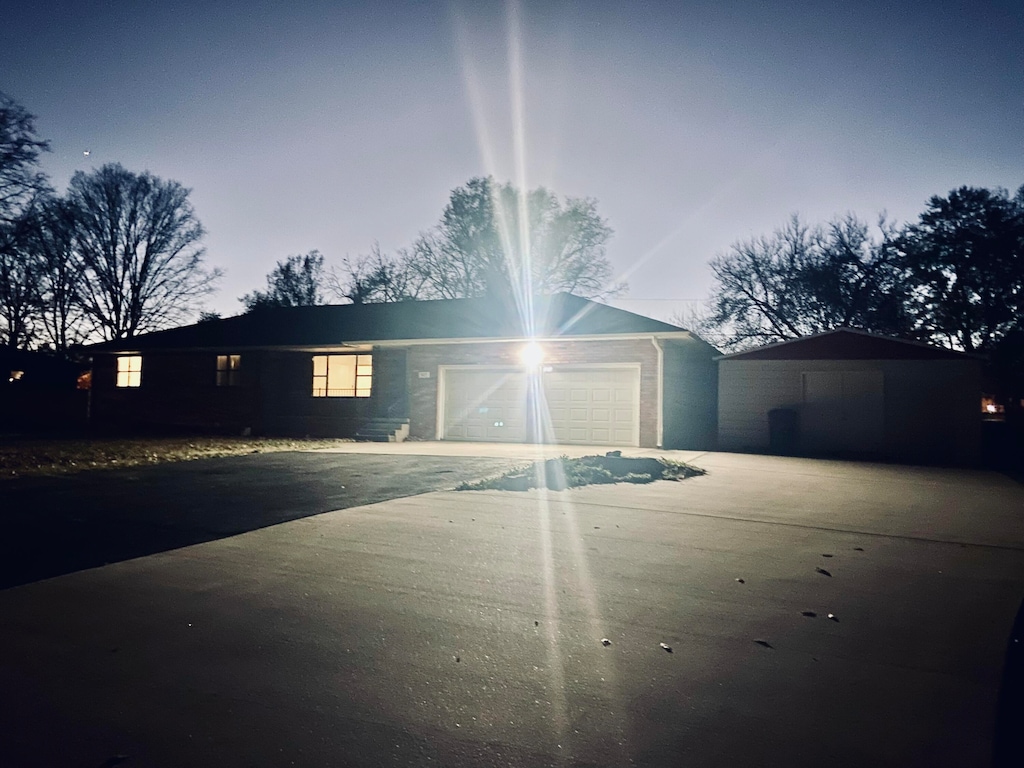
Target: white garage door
{"x":485,"y":405}
{"x":592,"y":406}
{"x":599,"y":406}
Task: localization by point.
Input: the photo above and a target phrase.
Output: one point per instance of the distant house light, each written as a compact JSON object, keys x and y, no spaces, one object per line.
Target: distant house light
{"x":991,"y":409}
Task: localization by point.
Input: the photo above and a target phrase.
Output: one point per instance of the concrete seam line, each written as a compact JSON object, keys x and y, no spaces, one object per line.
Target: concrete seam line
{"x":796,"y":525}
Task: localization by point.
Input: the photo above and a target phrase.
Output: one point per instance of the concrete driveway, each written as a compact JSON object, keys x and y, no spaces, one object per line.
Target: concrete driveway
{"x":55,"y":525}
{"x":464,"y":629}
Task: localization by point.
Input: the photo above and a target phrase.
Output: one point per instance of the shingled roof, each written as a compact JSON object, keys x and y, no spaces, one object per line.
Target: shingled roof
{"x":847,"y":344}
{"x":553,"y":316}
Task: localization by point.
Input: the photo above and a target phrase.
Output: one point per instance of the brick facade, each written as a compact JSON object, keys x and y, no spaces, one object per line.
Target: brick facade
{"x":179,"y":392}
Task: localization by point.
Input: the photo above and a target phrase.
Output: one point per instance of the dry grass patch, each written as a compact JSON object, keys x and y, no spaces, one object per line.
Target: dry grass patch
{"x":21,"y":457}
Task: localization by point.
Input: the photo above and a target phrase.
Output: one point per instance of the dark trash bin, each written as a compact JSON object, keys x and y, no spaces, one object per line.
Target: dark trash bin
{"x":783,"y":430}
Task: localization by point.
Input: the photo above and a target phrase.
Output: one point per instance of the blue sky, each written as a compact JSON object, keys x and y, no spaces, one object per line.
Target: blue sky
{"x":335,"y":125}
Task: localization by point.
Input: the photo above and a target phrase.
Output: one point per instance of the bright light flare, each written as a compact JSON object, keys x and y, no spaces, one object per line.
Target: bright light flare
{"x":531,"y":355}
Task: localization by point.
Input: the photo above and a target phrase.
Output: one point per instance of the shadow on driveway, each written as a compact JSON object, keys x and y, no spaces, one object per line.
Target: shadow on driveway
{"x":57,"y":525}
{"x":1009,"y":736}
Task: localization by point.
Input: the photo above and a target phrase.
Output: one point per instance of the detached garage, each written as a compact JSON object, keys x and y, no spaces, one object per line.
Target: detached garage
{"x":851,"y":393}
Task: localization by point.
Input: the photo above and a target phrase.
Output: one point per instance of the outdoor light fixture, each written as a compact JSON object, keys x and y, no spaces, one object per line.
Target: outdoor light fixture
{"x":531,"y":355}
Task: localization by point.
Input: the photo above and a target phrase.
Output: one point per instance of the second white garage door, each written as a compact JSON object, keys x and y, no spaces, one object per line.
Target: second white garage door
{"x":584,"y":406}
{"x":599,"y":406}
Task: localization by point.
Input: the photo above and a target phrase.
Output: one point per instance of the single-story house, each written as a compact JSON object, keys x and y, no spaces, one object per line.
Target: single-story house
{"x":566,"y":370}
{"x":848,"y":392}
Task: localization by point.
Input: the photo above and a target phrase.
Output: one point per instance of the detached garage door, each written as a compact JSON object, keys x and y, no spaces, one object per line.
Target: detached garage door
{"x":843,"y":411}
{"x":485,"y":405}
{"x":592,"y":406}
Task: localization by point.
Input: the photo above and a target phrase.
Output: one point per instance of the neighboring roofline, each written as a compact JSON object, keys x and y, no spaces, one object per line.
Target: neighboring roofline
{"x":681,"y":334}
{"x":857,"y":331}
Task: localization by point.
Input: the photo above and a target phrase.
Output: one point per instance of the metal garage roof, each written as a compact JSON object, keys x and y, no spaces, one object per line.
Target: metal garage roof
{"x":848,"y":344}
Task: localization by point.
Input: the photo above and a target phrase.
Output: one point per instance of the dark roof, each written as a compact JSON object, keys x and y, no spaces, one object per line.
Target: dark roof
{"x":332,"y":324}
{"x":848,"y":344}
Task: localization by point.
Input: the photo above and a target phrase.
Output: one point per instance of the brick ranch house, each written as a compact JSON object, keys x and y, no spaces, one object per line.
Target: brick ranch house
{"x":460,"y":369}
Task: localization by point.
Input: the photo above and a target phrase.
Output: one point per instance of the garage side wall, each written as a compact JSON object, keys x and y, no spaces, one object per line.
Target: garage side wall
{"x":427,"y":358}
{"x":931,"y":407}
{"x":690,"y":396}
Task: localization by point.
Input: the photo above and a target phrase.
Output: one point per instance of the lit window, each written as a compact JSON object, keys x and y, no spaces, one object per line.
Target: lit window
{"x":342,"y":375}
{"x":229,"y":370}
{"x":129,"y":371}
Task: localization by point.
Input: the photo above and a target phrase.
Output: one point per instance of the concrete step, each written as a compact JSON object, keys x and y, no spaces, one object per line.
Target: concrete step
{"x":384,"y":430}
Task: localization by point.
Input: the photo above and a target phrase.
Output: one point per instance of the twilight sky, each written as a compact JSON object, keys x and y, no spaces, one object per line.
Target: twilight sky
{"x":332,"y":125}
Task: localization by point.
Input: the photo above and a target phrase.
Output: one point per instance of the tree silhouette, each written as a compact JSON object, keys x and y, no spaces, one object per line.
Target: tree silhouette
{"x":298,"y":281}
{"x":494,"y":240}
{"x":965,"y":260}
{"x":20,"y":147}
{"x":137,"y":237}
{"x":21,"y":183}
{"x":802,"y":280}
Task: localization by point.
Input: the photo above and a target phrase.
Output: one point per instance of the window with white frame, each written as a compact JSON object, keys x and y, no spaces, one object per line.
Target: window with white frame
{"x":129,"y":371}
{"x":229,"y":370}
{"x":342,"y":375}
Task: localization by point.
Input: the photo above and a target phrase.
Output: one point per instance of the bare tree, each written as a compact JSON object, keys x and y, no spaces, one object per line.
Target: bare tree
{"x":21,"y":182}
{"x":19,"y":295}
{"x":60,"y":275}
{"x":494,"y":239}
{"x":20,"y":147}
{"x":374,"y":279}
{"x":138,"y":239}
{"x":799,"y":281}
{"x":298,"y":281}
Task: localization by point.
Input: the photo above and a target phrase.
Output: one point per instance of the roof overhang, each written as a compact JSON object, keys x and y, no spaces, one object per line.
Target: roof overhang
{"x":367,"y":345}
{"x":910,"y":343}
